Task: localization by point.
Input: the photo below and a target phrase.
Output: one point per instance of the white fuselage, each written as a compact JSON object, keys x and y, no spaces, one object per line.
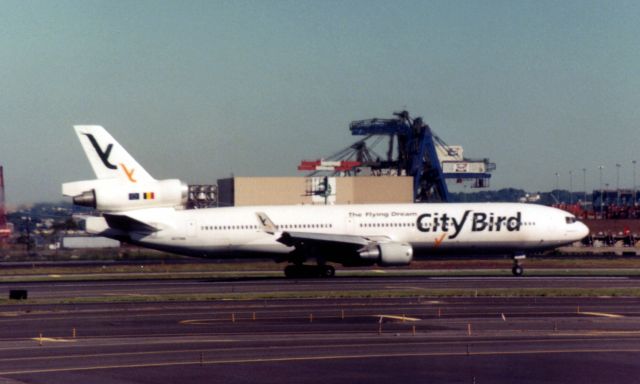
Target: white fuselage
{"x":428,"y":228}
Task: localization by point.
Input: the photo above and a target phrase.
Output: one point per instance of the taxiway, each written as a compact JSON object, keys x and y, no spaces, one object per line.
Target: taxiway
{"x":318,"y":340}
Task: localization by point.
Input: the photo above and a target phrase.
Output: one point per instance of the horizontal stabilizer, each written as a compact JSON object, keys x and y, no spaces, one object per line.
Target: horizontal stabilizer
{"x":128,"y":223}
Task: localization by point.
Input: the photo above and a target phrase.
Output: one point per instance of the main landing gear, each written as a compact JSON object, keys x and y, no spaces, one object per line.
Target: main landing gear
{"x":301,"y":270}
{"x":517,"y":269}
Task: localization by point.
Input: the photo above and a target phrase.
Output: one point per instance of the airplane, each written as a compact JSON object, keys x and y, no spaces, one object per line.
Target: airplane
{"x":138,"y":209}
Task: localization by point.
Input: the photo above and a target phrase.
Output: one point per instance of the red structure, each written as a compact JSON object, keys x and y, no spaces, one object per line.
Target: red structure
{"x":333,"y":166}
{"x":4,"y":229}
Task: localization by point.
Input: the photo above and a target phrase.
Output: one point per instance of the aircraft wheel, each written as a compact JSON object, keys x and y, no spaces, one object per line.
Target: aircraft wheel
{"x":291,"y":271}
{"x":517,"y":270}
{"x":328,"y":271}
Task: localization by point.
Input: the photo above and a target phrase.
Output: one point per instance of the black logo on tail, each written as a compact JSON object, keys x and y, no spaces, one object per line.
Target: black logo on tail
{"x":104,"y":155}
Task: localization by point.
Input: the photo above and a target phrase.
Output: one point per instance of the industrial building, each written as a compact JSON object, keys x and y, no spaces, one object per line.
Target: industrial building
{"x":246,"y":191}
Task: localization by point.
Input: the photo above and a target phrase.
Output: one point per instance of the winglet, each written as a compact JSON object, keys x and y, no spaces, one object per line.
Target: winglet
{"x":267,"y":224}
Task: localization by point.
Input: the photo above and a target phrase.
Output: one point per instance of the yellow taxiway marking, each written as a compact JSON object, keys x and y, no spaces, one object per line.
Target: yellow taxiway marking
{"x":53,"y":339}
{"x":394,"y":317}
{"x":199,"y":321}
{"x":601,"y":314}
{"x":405,"y":287}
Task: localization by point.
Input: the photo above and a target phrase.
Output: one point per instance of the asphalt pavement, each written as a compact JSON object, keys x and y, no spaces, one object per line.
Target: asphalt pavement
{"x":321,"y":340}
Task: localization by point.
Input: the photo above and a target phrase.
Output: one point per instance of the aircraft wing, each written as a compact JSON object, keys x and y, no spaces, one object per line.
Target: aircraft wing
{"x":296,"y":239}
{"x":128,"y":223}
{"x":299,"y":239}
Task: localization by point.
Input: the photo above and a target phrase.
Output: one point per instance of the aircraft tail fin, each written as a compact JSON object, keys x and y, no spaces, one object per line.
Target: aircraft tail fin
{"x":107,"y":157}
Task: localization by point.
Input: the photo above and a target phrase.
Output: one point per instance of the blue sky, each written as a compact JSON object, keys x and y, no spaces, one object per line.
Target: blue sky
{"x":202,"y":89}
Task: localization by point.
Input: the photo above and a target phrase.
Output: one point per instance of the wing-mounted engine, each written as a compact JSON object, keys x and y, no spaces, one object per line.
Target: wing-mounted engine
{"x":108,"y":195}
{"x":388,"y":254}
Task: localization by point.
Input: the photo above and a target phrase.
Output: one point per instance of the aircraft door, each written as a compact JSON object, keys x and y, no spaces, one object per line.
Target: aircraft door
{"x":350,"y":225}
{"x":191,"y":228}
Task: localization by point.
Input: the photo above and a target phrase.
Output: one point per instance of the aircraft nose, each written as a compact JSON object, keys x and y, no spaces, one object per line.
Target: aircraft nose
{"x":583,"y":230}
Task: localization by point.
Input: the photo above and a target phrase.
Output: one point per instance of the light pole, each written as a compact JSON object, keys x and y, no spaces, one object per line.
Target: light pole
{"x":618,"y":184}
{"x":557,"y":186}
{"x":635,"y":199}
{"x":584,"y":186}
{"x":570,"y":187}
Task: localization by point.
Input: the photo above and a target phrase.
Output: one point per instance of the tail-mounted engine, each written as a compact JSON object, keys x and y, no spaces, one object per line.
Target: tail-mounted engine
{"x":112,"y":195}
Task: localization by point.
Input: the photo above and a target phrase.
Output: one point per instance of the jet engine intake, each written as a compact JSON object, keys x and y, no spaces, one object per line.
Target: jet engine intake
{"x":389,"y":254}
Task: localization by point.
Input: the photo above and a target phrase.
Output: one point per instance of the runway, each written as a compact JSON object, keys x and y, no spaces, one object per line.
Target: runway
{"x":339,"y":340}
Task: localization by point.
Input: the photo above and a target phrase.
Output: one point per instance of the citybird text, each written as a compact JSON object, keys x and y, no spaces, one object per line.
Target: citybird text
{"x":480,"y":221}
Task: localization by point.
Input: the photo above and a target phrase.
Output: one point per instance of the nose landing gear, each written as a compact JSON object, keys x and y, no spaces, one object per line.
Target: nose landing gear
{"x":517,"y":269}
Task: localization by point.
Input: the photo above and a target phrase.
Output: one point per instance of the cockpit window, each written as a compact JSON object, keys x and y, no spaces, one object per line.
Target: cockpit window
{"x":570,"y":220}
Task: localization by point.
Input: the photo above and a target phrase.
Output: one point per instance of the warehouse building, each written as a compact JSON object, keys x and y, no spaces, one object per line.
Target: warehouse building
{"x":247,"y":191}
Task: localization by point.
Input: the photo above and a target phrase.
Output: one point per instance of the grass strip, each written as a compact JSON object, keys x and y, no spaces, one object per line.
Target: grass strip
{"x":359,"y":294}
{"x":230,"y":275}
{"x":269,"y":266}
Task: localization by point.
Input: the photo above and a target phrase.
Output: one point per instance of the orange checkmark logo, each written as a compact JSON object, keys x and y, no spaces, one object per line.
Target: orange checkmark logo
{"x":439,"y":240}
{"x":129,"y":173}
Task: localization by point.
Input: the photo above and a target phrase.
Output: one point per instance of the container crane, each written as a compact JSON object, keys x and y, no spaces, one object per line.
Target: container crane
{"x":412,"y":150}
